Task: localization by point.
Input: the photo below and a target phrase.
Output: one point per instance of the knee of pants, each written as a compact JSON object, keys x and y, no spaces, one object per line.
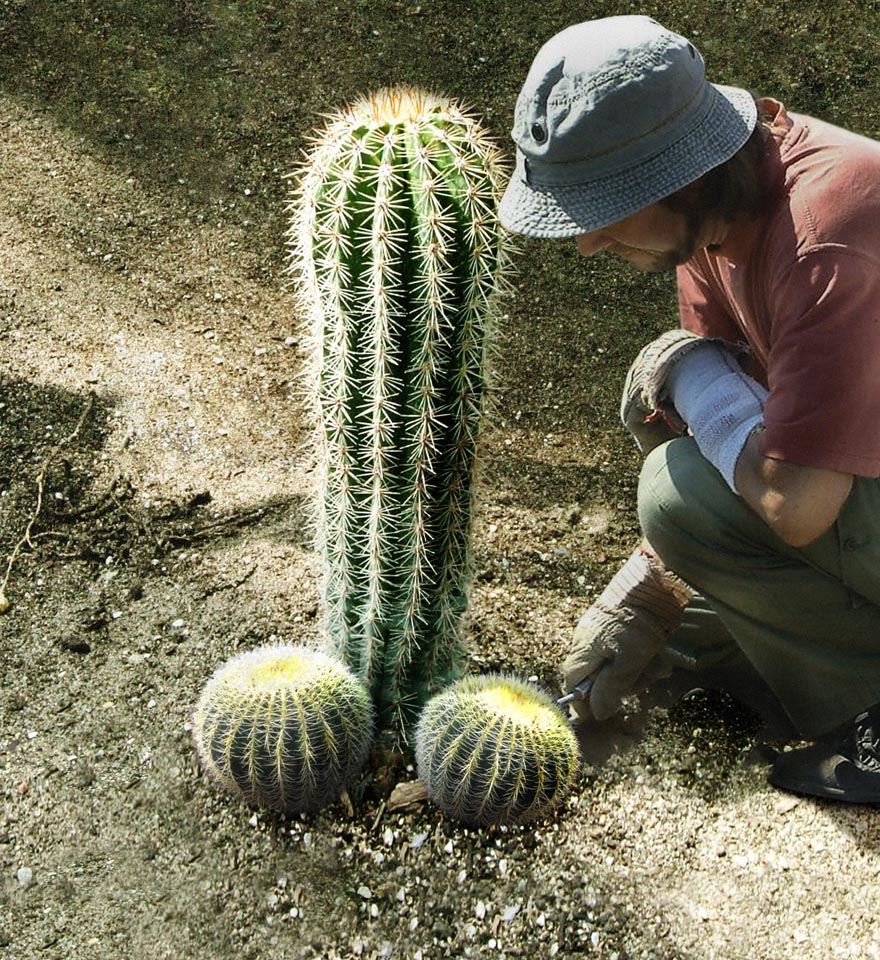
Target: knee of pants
{"x":679,"y":494}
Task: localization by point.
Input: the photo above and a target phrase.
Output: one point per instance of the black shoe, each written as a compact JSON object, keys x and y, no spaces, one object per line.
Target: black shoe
{"x":842,"y":766}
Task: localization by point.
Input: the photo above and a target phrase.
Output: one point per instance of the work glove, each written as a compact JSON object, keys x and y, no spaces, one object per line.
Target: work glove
{"x":619,"y":640}
{"x":644,"y":409}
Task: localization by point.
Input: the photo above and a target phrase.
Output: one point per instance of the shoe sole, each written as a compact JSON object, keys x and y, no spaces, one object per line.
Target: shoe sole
{"x":823,"y":792}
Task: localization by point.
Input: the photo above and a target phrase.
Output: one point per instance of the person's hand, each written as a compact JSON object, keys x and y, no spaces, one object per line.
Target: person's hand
{"x":616,"y":647}
{"x":643,"y":411}
{"x":619,"y":640}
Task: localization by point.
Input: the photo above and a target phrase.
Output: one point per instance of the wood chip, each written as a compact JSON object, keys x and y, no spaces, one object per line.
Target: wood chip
{"x":406,"y":794}
{"x":347,"y":805}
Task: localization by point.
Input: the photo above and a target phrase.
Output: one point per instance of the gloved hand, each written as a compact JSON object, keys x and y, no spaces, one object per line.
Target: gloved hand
{"x":618,"y":639}
{"x":642,"y":410}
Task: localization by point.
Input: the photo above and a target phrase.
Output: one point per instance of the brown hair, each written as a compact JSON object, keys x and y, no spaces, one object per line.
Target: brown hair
{"x":733,"y":189}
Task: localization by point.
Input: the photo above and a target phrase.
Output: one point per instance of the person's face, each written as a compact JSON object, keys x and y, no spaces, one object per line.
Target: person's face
{"x":654,"y":239}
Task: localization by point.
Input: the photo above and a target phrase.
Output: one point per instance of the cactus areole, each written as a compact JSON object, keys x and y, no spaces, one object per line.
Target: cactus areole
{"x":399,"y":258}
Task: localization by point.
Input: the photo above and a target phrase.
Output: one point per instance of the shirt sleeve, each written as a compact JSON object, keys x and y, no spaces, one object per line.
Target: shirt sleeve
{"x":824,"y":364}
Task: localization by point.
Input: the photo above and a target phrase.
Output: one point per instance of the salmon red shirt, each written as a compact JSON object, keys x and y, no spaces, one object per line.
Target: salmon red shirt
{"x":801,"y":286}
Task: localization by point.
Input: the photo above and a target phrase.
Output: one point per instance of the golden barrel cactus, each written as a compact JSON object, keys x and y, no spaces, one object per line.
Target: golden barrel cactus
{"x":283,"y":727}
{"x":493,"y":749}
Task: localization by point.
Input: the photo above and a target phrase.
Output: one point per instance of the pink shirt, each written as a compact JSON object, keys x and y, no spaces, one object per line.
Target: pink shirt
{"x":802,"y":287}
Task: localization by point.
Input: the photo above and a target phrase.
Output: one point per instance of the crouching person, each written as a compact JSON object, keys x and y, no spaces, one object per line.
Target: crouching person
{"x":760,"y":417}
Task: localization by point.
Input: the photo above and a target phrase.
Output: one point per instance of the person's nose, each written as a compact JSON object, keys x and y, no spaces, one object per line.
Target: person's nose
{"x":590,"y":243}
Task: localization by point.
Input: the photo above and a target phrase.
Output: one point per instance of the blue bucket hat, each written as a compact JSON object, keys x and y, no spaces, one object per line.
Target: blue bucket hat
{"x":615,"y":114}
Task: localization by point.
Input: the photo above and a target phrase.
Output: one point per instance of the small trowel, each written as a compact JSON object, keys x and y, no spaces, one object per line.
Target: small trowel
{"x":580,"y":692}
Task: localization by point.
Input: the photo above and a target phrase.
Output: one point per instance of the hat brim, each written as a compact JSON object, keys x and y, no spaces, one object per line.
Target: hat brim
{"x":567,"y":211}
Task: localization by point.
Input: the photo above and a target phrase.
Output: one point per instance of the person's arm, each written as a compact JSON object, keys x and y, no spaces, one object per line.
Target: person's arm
{"x":724,"y":408}
{"x":798,"y":503}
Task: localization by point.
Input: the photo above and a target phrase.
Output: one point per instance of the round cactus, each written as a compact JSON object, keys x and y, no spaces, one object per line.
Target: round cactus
{"x":283,"y":727}
{"x":494,"y":749}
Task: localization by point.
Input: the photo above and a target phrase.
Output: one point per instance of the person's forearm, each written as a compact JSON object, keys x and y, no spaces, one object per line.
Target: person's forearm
{"x":798,"y":503}
{"x":721,"y":405}
{"x":724,"y":409}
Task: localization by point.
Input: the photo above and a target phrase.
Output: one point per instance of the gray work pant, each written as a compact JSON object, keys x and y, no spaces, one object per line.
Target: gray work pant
{"x":807,"y":619}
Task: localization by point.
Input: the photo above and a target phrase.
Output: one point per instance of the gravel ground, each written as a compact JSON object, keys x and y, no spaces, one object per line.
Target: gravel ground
{"x":148,"y":393}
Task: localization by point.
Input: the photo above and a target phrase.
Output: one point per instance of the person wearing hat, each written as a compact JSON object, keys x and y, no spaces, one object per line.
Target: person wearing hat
{"x":759,"y":416}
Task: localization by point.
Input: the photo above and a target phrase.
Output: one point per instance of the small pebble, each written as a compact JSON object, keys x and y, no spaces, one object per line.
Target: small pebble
{"x":25,"y":876}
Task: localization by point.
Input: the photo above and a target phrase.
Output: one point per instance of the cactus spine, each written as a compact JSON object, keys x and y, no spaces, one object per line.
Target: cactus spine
{"x":493,"y":749}
{"x":400,"y":258}
{"x":283,"y":727}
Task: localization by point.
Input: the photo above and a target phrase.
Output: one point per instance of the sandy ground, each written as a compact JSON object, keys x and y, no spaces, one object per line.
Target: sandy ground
{"x":147,"y":395}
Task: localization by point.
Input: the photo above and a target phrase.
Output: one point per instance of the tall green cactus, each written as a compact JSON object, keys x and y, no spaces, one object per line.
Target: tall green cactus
{"x":400,"y":260}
